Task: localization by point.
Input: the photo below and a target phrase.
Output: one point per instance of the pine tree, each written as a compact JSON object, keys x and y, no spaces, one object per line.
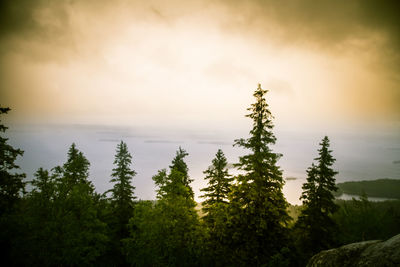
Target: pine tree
{"x":258,"y":209}
{"x":219,"y":183}
{"x":315,"y":224}
{"x":123,"y":190}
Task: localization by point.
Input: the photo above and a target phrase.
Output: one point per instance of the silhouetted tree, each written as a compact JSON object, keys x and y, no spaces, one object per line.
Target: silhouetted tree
{"x":219,"y":183}
{"x":258,"y":209}
{"x":122,"y":201}
{"x":123,"y":190}
{"x":11,"y":183}
{"x":12,"y":187}
{"x":216,"y":203}
{"x":76,"y":169}
{"x":168,"y":232}
{"x":315,"y":223}
{"x":180,"y":165}
{"x":61,"y":217}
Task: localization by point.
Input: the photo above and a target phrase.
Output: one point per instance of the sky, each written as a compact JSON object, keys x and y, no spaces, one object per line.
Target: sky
{"x":329,"y":66}
{"x":160,"y":62}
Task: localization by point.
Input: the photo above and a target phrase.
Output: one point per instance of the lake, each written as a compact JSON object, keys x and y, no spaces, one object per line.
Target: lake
{"x":358,"y":158}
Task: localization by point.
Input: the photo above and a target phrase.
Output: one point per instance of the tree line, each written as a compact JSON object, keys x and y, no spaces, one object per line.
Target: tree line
{"x":244,"y":220}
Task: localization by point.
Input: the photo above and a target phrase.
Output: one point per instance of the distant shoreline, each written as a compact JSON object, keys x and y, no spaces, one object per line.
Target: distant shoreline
{"x":380,"y":188}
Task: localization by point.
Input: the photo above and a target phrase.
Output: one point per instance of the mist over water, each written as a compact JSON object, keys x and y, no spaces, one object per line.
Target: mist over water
{"x":358,"y":158}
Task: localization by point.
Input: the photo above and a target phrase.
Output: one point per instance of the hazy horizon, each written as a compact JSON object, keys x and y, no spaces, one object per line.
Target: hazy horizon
{"x":365,"y":157}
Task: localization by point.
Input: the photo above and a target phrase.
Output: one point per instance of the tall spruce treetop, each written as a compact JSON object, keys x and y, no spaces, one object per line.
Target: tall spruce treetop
{"x":180,"y":165}
{"x":219,"y":182}
{"x":123,"y":190}
{"x":76,"y":169}
{"x":258,"y":206}
{"x":11,"y":183}
{"x":177,"y":182}
{"x":317,"y":192}
{"x":260,"y":165}
{"x":315,"y":220}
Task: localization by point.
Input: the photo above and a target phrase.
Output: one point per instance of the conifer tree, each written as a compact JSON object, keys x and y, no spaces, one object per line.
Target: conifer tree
{"x":166,"y":233}
{"x":215,"y":207}
{"x":76,"y":169}
{"x":123,"y":190}
{"x":180,"y":165}
{"x":64,"y":226}
{"x":11,"y":183}
{"x":219,"y":183}
{"x":258,"y":208}
{"x":12,"y":187}
{"x":315,"y":224}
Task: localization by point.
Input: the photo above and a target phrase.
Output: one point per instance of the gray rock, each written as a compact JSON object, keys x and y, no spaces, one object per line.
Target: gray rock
{"x":367,"y":253}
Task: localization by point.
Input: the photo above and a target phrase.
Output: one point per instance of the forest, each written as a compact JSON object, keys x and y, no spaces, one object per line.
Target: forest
{"x":244,"y":219}
{"x":387,"y":188}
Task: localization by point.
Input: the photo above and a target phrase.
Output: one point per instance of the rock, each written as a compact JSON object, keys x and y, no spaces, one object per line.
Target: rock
{"x":367,"y":253}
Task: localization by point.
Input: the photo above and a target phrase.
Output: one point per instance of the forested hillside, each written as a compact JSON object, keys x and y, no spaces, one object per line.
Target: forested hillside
{"x":244,"y":219}
{"x":385,"y":188}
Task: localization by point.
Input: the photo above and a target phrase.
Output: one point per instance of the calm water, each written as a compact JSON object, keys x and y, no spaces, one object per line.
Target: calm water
{"x":369,"y":157}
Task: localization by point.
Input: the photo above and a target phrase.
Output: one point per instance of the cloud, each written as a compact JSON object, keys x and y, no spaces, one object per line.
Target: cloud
{"x":76,"y":55}
{"x":324,"y":21}
{"x":362,"y":31}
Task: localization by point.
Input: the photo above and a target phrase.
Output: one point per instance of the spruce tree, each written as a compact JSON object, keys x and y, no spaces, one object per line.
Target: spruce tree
{"x":258,"y":208}
{"x":11,"y":183}
{"x":64,"y":226}
{"x":315,"y":225}
{"x":180,"y":165}
{"x":166,"y":233}
{"x":76,"y":169}
{"x":215,"y":206}
{"x":219,"y":186}
{"x":12,"y":187}
{"x":123,"y":190}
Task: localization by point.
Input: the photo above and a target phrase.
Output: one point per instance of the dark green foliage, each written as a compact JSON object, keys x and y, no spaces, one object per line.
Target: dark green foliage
{"x":219,"y":186}
{"x":360,"y":220}
{"x":11,"y":183}
{"x":315,"y":223}
{"x":122,"y":192}
{"x":76,"y":169}
{"x":180,"y":165}
{"x":386,"y":188}
{"x":216,"y":204}
{"x":12,"y":187}
{"x":258,"y":210}
{"x":121,"y":201}
{"x":170,"y":228}
{"x":61,"y":221}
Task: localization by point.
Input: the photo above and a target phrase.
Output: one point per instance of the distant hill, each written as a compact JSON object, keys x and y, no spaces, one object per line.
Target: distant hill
{"x":387,"y":188}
